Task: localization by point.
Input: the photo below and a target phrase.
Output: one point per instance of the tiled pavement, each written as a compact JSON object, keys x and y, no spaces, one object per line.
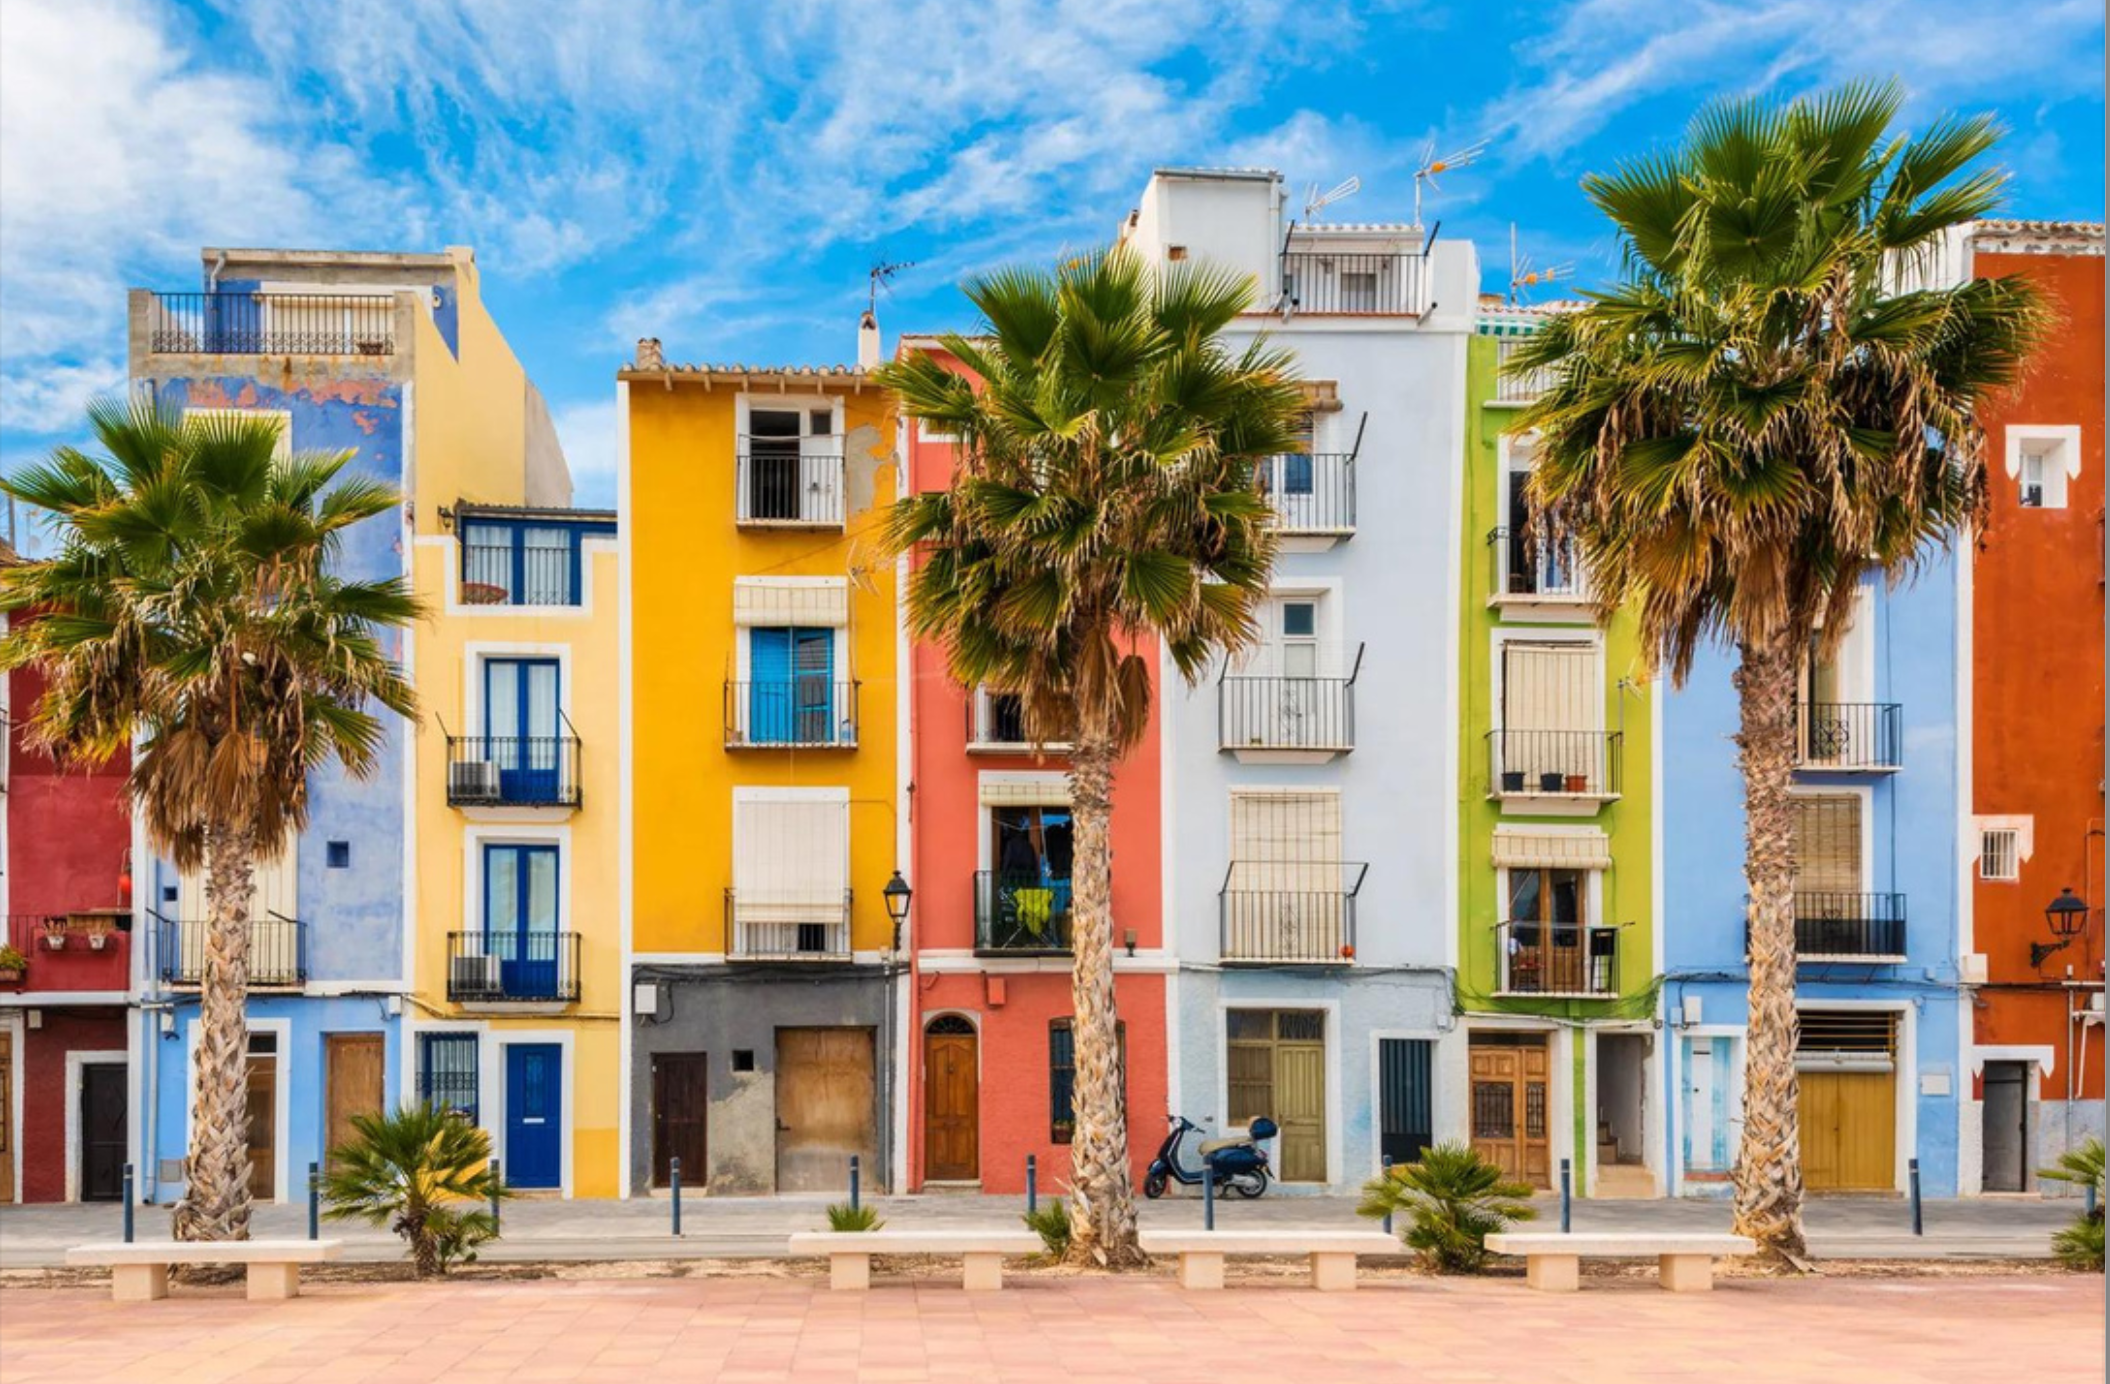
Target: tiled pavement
{"x":1067,"y":1330}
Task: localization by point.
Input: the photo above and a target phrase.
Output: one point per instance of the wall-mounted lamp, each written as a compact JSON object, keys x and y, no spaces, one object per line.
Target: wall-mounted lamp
{"x":2066,"y":915}
{"x":1128,"y":940}
{"x":897,"y":895}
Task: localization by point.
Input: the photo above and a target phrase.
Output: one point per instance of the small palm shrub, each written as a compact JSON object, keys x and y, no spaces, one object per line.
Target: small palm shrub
{"x":2080,"y":1245}
{"x":1052,"y":1224}
{"x":425,"y":1173}
{"x":853,"y":1219}
{"x":1453,"y":1200}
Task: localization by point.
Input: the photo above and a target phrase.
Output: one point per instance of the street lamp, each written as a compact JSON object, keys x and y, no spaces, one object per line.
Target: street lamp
{"x":2066,"y":915}
{"x":897,"y":894}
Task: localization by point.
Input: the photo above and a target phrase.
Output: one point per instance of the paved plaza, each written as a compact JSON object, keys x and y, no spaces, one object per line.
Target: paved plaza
{"x":1068,"y":1329}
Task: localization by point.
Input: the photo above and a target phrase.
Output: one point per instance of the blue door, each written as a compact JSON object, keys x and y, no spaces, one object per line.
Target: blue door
{"x":522,"y":729}
{"x":520,"y":919}
{"x":534,"y":1114}
{"x":791,"y":687}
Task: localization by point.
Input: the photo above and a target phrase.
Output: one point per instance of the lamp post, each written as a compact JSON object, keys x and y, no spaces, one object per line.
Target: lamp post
{"x":2066,"y":915}
{"x":897,"y":894}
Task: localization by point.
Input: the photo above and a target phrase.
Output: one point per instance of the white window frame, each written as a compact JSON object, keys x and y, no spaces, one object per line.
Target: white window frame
{"x":1867,"y":795}
{"x":2054,"y":443}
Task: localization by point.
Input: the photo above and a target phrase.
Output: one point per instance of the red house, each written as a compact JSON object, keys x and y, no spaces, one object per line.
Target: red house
{"x":989,"y":850}
{"x":2035,"y":715}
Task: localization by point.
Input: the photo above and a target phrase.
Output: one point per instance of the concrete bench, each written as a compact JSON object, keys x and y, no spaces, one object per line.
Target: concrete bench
{"x":139,"y":1272}
{"x":849,"y":1253}
{"x":1684,"y":1263}
{"x":1332,"y":1253}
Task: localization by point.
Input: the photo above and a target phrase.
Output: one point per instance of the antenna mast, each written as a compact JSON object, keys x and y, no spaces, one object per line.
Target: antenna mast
{"x":881,"y":275}
{"x":1523,"y":275}
{"x":1449,"y":163}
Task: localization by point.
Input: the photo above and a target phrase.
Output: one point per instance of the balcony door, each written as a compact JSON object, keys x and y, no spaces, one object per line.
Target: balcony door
{"x":1549,"y":949}
{"x":1285,"y":901}
{"x":786,"y":452}
{"x":522,"y":729}
{"x":520,"y":918}
{"x":791,"y":685}
{"x":1551,"y":739}
{"x":519,"y":564}
{"x":1030,"y":846}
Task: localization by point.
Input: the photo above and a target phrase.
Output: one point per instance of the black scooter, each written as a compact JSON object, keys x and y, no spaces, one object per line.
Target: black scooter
{"x":1236,"y":1162}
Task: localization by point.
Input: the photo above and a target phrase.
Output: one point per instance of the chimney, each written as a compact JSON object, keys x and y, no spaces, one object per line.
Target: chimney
{"x":648,"y":354}
{"x":868,"y":341}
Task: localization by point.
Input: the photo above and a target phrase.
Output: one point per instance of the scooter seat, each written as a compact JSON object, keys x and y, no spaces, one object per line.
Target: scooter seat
{"x":1210,"y":1146}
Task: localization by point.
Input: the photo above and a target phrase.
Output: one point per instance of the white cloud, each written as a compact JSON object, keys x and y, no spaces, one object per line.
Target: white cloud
{"x":587,"y":428}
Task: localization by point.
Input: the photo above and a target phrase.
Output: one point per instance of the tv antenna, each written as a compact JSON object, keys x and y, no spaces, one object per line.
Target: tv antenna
{"x":1315,"y":202}
{"x":1524,"y":274}
{"x":881,"y":275}
{"x":1449,"y":163}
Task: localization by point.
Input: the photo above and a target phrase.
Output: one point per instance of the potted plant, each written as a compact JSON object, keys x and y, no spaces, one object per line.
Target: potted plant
{"x":1551,"y":782}
{"x":1512,"y":780}
{"x":1578,"y":783}
{"x":12,"y":965}
{"x":54,"y":933}
{"x":98,"y":932}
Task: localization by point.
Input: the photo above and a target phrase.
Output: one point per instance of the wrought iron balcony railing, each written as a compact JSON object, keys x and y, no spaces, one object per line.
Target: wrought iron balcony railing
{"x":1555,"y":763}
{"x":791,"y":713}
{"x":1287,"y":713}
{"x":786,"y":485}
{"x":530,"y":574}
{"x":513,"y":967}
{"x":1290,"y":912}
{"x":278,"y":950}
{"x":1559,"y":958}
{"x":1016,"y":913}
{"x":1523,"y":388}
{"x":766,"y":925}
{"x":274,"y":324}
{"x":1355,"y":283}
{"x":1846,"y":926}
{"x":1865,"y":737}
{"x":1523,"y":566}
{"x":514,"y":770}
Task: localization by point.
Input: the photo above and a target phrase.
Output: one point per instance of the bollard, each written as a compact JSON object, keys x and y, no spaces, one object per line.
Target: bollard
{"x":314,"y":1201}
{"x":1208,"y":1197}
{"x":1913,"y":1166}
{"x":1032,"y":1185}
{"x":497,"y":1180}
{"x":2089,"y":1194}
{"x":853,"y":1182}
{"x":128,"y":1203}
{"x":674,"y":1181}
{"x":1385,"y":1164}
{"x":1564,"y":1196}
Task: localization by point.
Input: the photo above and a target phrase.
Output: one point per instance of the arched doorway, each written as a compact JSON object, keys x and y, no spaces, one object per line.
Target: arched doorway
{"x":951,"y":1101}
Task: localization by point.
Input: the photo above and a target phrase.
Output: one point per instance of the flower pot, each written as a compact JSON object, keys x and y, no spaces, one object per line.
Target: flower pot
{"x":10,"y":975}
{"x":97,"y":941}
{"x":55,"y":940}
{"x":1513,"y":781}
{"x":1578,"y":783}
{"x":1550,"y":783}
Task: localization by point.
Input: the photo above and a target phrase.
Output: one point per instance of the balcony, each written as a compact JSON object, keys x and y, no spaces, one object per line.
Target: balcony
{"x":1571,"y":960}
{"x":1298,"y":720}
{"x":273,"y":324}
{"x":1517,"y":390}
{"x":1526,"y":572}
{"x":791,"y":713}
{"x":1313,"y":496}
{"x":787,"y":483}
{"x":80,"y":949}
{"x":1831,"y":926}
{"x":1554,"y":770}
{"x":1849,"y":737}
{"x":1370,"y":283}
{"x":513,"y":967}
{"x":1020,"y":916}
{"x":765,"y":925}
{"x":996,"y":724}
{"x":485,"y":771}
{"x":1289,"y":912}
{"x":278,"y":951}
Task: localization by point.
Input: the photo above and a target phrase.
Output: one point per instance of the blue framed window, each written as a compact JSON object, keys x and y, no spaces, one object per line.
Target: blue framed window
{"x":520,"y":918}
{"x":523,"y":732}
{"x":524,"y":562}
{"x":447,"y":1071}
{"x":791,"y":685}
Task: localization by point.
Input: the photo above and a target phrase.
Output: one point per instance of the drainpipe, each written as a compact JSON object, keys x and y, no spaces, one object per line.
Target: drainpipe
{"x":212,"y":275}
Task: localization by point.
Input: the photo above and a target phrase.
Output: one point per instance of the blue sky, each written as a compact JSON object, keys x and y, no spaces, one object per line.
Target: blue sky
{"x":722,"y":175}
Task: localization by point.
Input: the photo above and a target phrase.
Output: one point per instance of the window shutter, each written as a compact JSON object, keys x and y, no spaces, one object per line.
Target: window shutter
{"x":776,"y":602}
{"x":791,"y":856}
{"x":1025,"y":790}
{"x":1549,"y":687}
{"x":1517,"y":850}
{"x":277,"y":885}
{"x":1828,"y":843}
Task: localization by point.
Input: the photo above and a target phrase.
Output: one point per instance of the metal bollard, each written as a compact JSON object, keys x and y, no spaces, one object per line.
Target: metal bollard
{"x":128,"y":1203}
{"x":1565,"y":1195}
{"x":314,"y":1201}
{"x":2089,"y":1194}
{"x":1032,"y":1185}
{"x":1208,"y":1197}
{"x":1913,"y":1167}
{"x":1385,"y":1163}
{"x":674,"y":1181}
{"x":497,"y":1179}
{"x":853,"y":1182}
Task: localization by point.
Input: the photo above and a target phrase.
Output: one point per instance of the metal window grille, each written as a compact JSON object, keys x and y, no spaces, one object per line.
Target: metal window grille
{"x":1999,"y":853}
{"x":1062,"y":1075}
{"x":1855,"y":1032}
{"x":447,"y":1071}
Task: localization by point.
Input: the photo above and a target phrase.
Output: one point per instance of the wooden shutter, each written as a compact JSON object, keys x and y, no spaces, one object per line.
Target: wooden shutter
{"x":277,"y":887}
{"x":1828,"y":843}
{"x":1549,"y":687}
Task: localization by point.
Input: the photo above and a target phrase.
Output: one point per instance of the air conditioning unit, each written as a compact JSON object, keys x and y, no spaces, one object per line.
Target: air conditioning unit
{"x":472,"y":780}
{"x":473,"y":976}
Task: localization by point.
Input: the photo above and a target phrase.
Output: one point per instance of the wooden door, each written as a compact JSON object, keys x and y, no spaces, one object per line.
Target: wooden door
{"x":102,"y":1129}
{"x":352,"y":1083}
{"x":1849,"y":1130}
{"x":263,"y":1126}
{"x":1276,"y":1062}
{"x":1510,"y":1125}
{"x":681,"y":1090}
{"x":825,"y":1112}
{"x":2006,"y":1119}
{"x":7,"y":1116}
{"x":951,"y":1107}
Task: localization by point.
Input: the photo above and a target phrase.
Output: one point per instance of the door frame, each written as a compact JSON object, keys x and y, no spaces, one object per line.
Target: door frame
{"x":2029,"y":1082}
{"x":1435,"y":1039}
{"x":923,"y":1035}
{"x":330,"y":1041}
{"x":282,"y":1120}
{"x":11,"y":1024}
{"x":75,"y":1088}
{"x":501,"y":1039}
{"x":653,"y":1114}
{"x":1336,"y":1134}
{"x":1904,"y":1063}
{"x":1560,"y":1070}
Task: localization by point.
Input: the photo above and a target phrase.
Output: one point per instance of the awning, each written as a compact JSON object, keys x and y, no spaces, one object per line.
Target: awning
{"x":1025,"y":790}
{"x":1552,"y":850}
{"x":779,"y":601}
{"x":1320,"y":396}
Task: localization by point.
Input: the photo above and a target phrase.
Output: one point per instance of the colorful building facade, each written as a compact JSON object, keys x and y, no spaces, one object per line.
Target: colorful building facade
{"x":762,"y":759}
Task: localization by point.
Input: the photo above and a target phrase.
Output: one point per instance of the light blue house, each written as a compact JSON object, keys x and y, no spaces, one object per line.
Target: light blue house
{"x":1878,"y":885}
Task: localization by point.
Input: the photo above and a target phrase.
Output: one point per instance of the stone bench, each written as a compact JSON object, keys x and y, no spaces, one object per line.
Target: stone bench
{"x":139,"y":1272}
{"x":1332,"y":1253}
{"x":849,"y":1253}
{"x":1684,"y":1263}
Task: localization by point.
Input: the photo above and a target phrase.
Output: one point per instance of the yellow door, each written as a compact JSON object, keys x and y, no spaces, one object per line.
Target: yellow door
{"x":1849,"y":1131}
{"x":1300,"y":1088}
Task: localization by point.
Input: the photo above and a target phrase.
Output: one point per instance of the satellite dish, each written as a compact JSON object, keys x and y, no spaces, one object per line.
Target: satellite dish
{"x":1314,"y":202}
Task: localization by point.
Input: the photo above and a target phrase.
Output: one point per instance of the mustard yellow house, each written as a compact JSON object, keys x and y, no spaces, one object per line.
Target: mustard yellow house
{"x":762,"y":772}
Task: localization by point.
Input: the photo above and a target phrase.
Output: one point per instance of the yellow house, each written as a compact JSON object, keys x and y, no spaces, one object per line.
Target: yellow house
{"x":515,"y":952}
{"x":762,"y":772}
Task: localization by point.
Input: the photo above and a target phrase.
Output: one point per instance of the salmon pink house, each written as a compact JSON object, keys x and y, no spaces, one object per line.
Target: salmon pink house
{"x":987,"y":1064}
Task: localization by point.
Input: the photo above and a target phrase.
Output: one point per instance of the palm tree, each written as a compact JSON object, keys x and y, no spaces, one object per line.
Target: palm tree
{"x":1780,"y":398}
{"x":1106,"y":498}
{"x":423,"y":1171}
{"x":191,"y":611}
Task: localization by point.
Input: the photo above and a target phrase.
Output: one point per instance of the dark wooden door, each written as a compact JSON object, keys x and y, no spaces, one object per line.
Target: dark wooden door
{"x":825,"y":1089}
{"x":7,"y":1116}
{"x":263,"y":1126}
{"x":1509,"y":1114}
{"x":680,"y":1107}
{"x":352,"y":1079}
{"x":2006,"y":1125}
{"x":951,"y":1107}
{"x":103,"y":1131}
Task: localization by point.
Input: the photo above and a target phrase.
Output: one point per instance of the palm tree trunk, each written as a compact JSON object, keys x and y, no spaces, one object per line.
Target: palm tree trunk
{"x":1769,"y":1159}
{"x":1102,"y":1203}
{"x":215,"y":1203}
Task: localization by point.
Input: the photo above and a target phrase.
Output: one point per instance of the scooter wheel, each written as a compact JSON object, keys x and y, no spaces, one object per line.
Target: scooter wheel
{"x":1153,"y":1184}
{"x":1250,"y":1185}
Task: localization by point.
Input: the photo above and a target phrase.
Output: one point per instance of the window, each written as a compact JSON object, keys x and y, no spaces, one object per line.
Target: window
{"x":790,"y":467}
{"x":1297,"y":466}
{"x":791,"y":873}
{"x":1359,"y":290}
{"x":521,"y":947}
{"x":447,"y":1071}
{"x":338,"y":855}
{"x":1062,"y":1076}
{"x":743,"y":1059}
{"x":523,"y":728}
{"x":1999,"y":854}
{"x":1548,"y":739}
{"x":507,"y":562}
{"x":1286,"y":897}
{"x":1827,"y":845}
{"x":2041,"y":460}
{"x":791,"y":695}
